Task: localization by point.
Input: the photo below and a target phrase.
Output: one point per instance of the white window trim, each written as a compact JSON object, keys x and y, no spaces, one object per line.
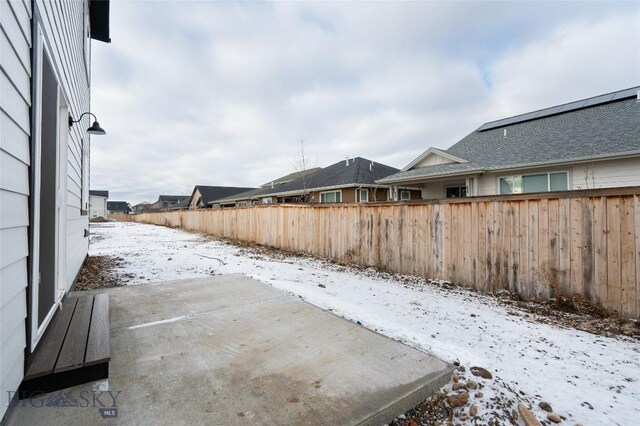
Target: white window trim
{"x":522,"y":175}
{"x":366,"y":191}
{"x":339,"y":191}
{"x":405,"y":191}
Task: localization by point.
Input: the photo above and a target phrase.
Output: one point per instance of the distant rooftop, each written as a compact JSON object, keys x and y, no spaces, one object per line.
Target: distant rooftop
{"x":97,"y":193}
{"x":290,"y":177}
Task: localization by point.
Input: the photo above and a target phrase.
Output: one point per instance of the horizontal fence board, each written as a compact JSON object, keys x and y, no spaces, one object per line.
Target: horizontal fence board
{"x":584,"y":243}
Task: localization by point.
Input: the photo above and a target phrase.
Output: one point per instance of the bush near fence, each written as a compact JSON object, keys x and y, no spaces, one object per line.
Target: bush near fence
{"x":538,"y":245}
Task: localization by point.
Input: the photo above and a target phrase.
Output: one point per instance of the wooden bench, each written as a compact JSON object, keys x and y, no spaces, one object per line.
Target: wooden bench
{"x":75,"y":347}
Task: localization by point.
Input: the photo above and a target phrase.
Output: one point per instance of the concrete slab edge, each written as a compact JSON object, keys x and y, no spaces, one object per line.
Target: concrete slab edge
{"x":411,"y":399}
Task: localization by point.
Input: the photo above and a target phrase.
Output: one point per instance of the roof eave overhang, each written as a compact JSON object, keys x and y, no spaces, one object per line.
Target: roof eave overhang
{"x":419,"y":179}
{"x":99,"y":20}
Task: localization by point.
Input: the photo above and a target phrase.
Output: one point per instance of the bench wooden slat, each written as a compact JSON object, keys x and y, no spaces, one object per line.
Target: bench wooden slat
{"x":98,"y":350}
{"x":74,"y":346}
{"x":47,"y":354}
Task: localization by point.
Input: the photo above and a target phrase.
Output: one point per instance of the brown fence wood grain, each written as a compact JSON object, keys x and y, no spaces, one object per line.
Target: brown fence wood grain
{"x":540,"y":245}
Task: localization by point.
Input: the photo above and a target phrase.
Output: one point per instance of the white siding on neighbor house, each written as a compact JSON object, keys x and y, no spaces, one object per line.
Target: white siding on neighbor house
{"x":607,"y":174}
{"x":195,"y":199}
{"x":98,"y":205}
{"x":15,"y":101}
{"x":431,"y":160}
{"x":601,"y":174}
{"x":592,"y":175}
{"x":63,"y":26}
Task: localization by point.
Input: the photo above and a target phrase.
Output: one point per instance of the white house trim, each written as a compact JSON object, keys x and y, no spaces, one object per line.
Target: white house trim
{"x":434,"y":151}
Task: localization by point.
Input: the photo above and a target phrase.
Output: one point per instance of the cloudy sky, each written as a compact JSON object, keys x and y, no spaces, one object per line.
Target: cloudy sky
{"x":222,"y":93}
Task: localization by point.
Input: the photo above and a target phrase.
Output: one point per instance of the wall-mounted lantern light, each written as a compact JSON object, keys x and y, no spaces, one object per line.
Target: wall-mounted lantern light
{"x":95,"y":128}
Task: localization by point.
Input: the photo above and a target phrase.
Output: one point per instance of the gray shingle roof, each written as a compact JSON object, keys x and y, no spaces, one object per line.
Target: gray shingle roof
{"x":118,"y":206}
{"x":212,"y":193}
{"x":595,"y":131}
{"x":173,"y":198}
{"x":244,"y":195}
{"x":290,"y":177}
{"x":360,"y":171}
{"x":97,"y":193}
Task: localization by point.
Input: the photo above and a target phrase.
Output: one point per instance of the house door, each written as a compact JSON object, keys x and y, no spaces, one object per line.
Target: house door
{"x":49,"y":189}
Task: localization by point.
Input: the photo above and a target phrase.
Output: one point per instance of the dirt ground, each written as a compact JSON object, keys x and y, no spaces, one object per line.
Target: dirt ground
{"x":100,"y":272}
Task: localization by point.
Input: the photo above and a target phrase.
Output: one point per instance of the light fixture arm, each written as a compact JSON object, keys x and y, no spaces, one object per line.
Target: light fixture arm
{"x":95,"y":128}
{"x":71,"y":120}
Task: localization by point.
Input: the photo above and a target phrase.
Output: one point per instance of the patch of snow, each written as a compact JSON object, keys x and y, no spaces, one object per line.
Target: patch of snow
{"x":585,"y":377}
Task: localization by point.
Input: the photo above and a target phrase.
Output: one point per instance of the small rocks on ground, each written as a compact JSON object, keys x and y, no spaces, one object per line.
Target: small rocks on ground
{"x":458,"y":386}
{"x":554,"y":417}
{"x":545,"y":406}
{"x":528,"y":417}
{"x":458,"y":400}
{"x":473,"y":411}
{"x":471,"y":384}
{"x":481,"y":372}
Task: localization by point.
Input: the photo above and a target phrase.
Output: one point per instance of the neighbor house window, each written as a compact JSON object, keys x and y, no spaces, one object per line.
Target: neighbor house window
{"x":455,"y":191}
{"x":331,"y":197}
{"x":405,"y":195}
{"x":539,"y":182}
{"x":266,"y":200}
{"x":242,"y":204}
{"x":364,"y":195}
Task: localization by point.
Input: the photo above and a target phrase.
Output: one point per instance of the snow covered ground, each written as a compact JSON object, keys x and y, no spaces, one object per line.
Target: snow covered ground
{"x":587,"y":379}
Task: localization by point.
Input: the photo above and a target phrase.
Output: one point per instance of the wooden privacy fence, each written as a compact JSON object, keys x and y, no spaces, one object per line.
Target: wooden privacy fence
{"x":580,"y":242}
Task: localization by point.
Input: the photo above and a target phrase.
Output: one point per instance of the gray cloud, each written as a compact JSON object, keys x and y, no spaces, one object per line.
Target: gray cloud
{"x":221,"y":93}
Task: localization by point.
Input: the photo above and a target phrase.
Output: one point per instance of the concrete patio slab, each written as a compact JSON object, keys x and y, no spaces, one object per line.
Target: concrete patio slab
{"x":232,"y":350}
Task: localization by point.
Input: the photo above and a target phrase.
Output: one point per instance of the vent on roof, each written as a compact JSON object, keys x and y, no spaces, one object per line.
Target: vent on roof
{"x":504,"y":135}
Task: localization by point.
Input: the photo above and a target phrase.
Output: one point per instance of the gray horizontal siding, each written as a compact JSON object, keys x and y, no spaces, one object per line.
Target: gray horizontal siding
{"x":15,"y":101}
{"x":65,"y":19}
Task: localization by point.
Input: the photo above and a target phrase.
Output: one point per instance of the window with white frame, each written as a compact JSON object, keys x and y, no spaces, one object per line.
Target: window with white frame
{"x":331,"y":197}
{"x":266,"y":200}
{"x":538,"y":182}
{"x":243,"y":204}
{"x":455,"y":191}
{"x":364,"y":195}
{"x":405,"y":195}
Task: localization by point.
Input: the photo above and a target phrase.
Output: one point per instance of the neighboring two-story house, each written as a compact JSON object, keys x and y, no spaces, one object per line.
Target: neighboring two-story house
{"x":98,"y":203}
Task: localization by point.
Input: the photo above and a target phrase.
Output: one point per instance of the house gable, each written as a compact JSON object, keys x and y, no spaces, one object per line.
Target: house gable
{"x":432,"y":157}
